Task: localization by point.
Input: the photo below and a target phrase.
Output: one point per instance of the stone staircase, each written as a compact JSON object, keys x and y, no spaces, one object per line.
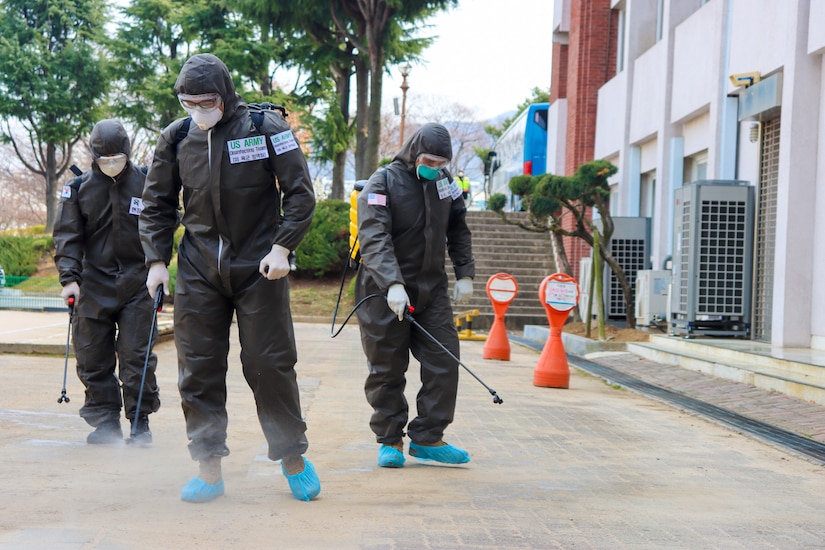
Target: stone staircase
{"x":502,"y":248}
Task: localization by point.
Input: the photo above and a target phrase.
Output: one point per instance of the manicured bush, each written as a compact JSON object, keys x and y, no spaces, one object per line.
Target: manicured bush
{"x":326,"y":244}
{"x":496,"y":202}
{"x":19,"y":254}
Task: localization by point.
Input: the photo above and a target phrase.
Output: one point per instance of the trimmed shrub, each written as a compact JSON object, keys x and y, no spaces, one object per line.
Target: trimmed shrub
{"x":326,"y":244}
{"x":19,"y":254}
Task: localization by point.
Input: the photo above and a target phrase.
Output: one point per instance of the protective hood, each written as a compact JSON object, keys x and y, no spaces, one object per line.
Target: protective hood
{"x":204,"y":73}
{"x":109,"y":137}
{"x":431,"y":138}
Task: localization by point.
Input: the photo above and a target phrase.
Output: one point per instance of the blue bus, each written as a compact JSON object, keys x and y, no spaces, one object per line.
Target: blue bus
{"x":521,"y":150}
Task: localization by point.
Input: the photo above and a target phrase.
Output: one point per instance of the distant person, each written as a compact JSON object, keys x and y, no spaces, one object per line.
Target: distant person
{"x":101,"y":264}
{"x":463,"y":184}
{"x":248,"y":200}
{"x":408,"y":214}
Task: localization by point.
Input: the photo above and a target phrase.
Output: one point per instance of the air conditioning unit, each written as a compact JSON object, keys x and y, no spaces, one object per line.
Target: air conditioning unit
{"x":652,"y":293}
{"x":630,"y":245}
{"x":712,"y":259}
{"x":585,"y":266}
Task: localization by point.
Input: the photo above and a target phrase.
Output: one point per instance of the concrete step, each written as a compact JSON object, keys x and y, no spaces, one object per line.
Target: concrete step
{"x":518,"y":248}
{"x":502,"y":248}
{"x":790,"y":372}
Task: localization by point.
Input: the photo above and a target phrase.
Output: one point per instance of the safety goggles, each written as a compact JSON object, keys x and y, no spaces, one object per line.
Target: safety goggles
{"x":112,"y":160}
{"x":433,"y":161}
{"x":201,"y":102}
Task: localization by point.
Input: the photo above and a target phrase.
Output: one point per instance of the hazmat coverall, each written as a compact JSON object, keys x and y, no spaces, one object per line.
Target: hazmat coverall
{"x":404,"y":225}
{"x":98,"y":247}
{"x":233,"y":214}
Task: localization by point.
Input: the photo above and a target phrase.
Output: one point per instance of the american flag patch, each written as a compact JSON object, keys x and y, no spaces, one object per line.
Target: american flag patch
{"x":377,"y":198}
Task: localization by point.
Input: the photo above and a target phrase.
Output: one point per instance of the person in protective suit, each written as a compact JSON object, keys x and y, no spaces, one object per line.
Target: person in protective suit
{"x":463,"y":184}
{"x":408,"y":213}
{"x":101,"y":264}
{"x":248,"y":200}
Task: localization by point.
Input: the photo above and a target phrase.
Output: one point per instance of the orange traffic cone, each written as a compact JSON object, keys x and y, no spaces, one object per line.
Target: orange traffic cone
{"x":559,"y":294}
{"x":501,"y":289}
{"x":552,"y":370}
{"x":497,"y":345}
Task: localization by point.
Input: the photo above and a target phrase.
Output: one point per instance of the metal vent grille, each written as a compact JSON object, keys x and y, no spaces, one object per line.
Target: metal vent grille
{"x":722,"y":253}
{"x":684,"y":255}
{"x":631,"y":254}
{"x":766,"y":230}
{"x":713,"y":257}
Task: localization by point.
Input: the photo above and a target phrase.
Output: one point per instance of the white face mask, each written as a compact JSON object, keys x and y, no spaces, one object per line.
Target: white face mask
{"x":113,"y":165}
{"x":206,"y":119}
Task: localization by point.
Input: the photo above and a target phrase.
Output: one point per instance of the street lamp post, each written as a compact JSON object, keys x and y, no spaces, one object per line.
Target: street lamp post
{"x":405,"y":71}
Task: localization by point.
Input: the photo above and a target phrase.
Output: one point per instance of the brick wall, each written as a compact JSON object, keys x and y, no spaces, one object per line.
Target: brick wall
{"x":558,"y":82}
{"x":590,"y":61}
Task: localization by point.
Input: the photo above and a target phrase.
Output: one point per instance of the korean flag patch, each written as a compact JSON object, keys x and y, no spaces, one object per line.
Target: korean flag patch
{"x":136,"y":206}
{"x":67,"y":192}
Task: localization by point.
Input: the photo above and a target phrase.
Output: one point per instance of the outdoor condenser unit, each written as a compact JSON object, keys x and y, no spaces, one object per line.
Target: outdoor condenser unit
{"x":584,"y":287}
{"x":712,"y":259}
{"x":652,"y":291}
{"x":630,"y":245}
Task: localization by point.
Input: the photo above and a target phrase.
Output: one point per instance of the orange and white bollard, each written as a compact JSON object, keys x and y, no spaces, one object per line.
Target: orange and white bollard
{"x":501,"y":289}
{"x":559,"y":294}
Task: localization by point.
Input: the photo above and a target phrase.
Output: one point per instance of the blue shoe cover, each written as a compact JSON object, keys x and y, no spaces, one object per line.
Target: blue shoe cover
{"x":390,"y":457}
{"x":445,"y":453}
{"x":197,"y":490}
{"x":304,"y":485}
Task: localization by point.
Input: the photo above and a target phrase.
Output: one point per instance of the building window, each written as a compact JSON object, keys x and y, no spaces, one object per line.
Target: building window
{"x":660,"y":19}
{"x":620,"y":44}
{"x":696,"y":167}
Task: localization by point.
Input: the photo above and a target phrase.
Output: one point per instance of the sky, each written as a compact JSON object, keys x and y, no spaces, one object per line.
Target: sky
{"x":488,"y":55}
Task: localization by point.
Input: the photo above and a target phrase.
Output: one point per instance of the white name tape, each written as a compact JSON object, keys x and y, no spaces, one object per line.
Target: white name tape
{"x":283,"y":142}
{"x":247,"y":149}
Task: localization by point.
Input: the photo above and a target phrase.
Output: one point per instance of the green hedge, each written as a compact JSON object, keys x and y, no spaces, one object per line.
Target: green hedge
{"x":326,"y":244}
{"x":322,"y":252}
{"x":19,"y":254}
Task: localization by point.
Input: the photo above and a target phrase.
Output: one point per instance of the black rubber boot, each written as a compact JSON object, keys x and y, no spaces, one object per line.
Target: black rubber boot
{"x":106,"y":433}
{"x":141,"y":430}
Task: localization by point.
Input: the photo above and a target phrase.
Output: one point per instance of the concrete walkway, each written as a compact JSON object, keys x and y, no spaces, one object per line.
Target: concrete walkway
{"x":592,"y":466}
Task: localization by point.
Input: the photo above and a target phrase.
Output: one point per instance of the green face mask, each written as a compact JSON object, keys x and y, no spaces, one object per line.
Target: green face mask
{"x":426,"y":172}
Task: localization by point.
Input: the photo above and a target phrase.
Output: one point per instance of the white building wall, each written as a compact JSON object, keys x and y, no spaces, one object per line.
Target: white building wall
{"x":816,"y":28}
{"x":760,"y":32}
{"x":647,"y":102}
{"x":556,"y":142}
{"x":816,"y":49}
{"x":695,"y":82}
{"x":696,"y":111}
{"x":611,"y":113}
{"x":695,"y":133}
{"x":797,"y":173}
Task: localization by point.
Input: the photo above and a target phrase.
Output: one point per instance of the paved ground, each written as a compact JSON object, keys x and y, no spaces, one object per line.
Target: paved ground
{"x":592,"y":466}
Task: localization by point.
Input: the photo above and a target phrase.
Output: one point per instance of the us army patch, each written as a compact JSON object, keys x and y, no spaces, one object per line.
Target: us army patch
{"x":247,"y":149}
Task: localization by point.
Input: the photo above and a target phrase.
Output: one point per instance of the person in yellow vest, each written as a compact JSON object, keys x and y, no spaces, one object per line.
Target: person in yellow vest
{"x":463,"y":184}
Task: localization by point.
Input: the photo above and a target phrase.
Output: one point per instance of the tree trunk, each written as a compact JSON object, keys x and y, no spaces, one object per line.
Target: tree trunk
{"x":342,"y":91}
{"x":51,"y":185}
{"x":362,"y":78}
{"x":374,"y":123}
{"x":338,"y":168}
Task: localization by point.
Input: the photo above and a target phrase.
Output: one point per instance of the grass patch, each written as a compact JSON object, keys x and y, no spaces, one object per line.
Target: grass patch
{"x":317,"y":297}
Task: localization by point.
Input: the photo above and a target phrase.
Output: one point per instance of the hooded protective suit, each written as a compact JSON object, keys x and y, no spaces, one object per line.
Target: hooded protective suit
{"x":98,"y":247}
{"x":233,"y":214}
{"x":404,"y":226}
